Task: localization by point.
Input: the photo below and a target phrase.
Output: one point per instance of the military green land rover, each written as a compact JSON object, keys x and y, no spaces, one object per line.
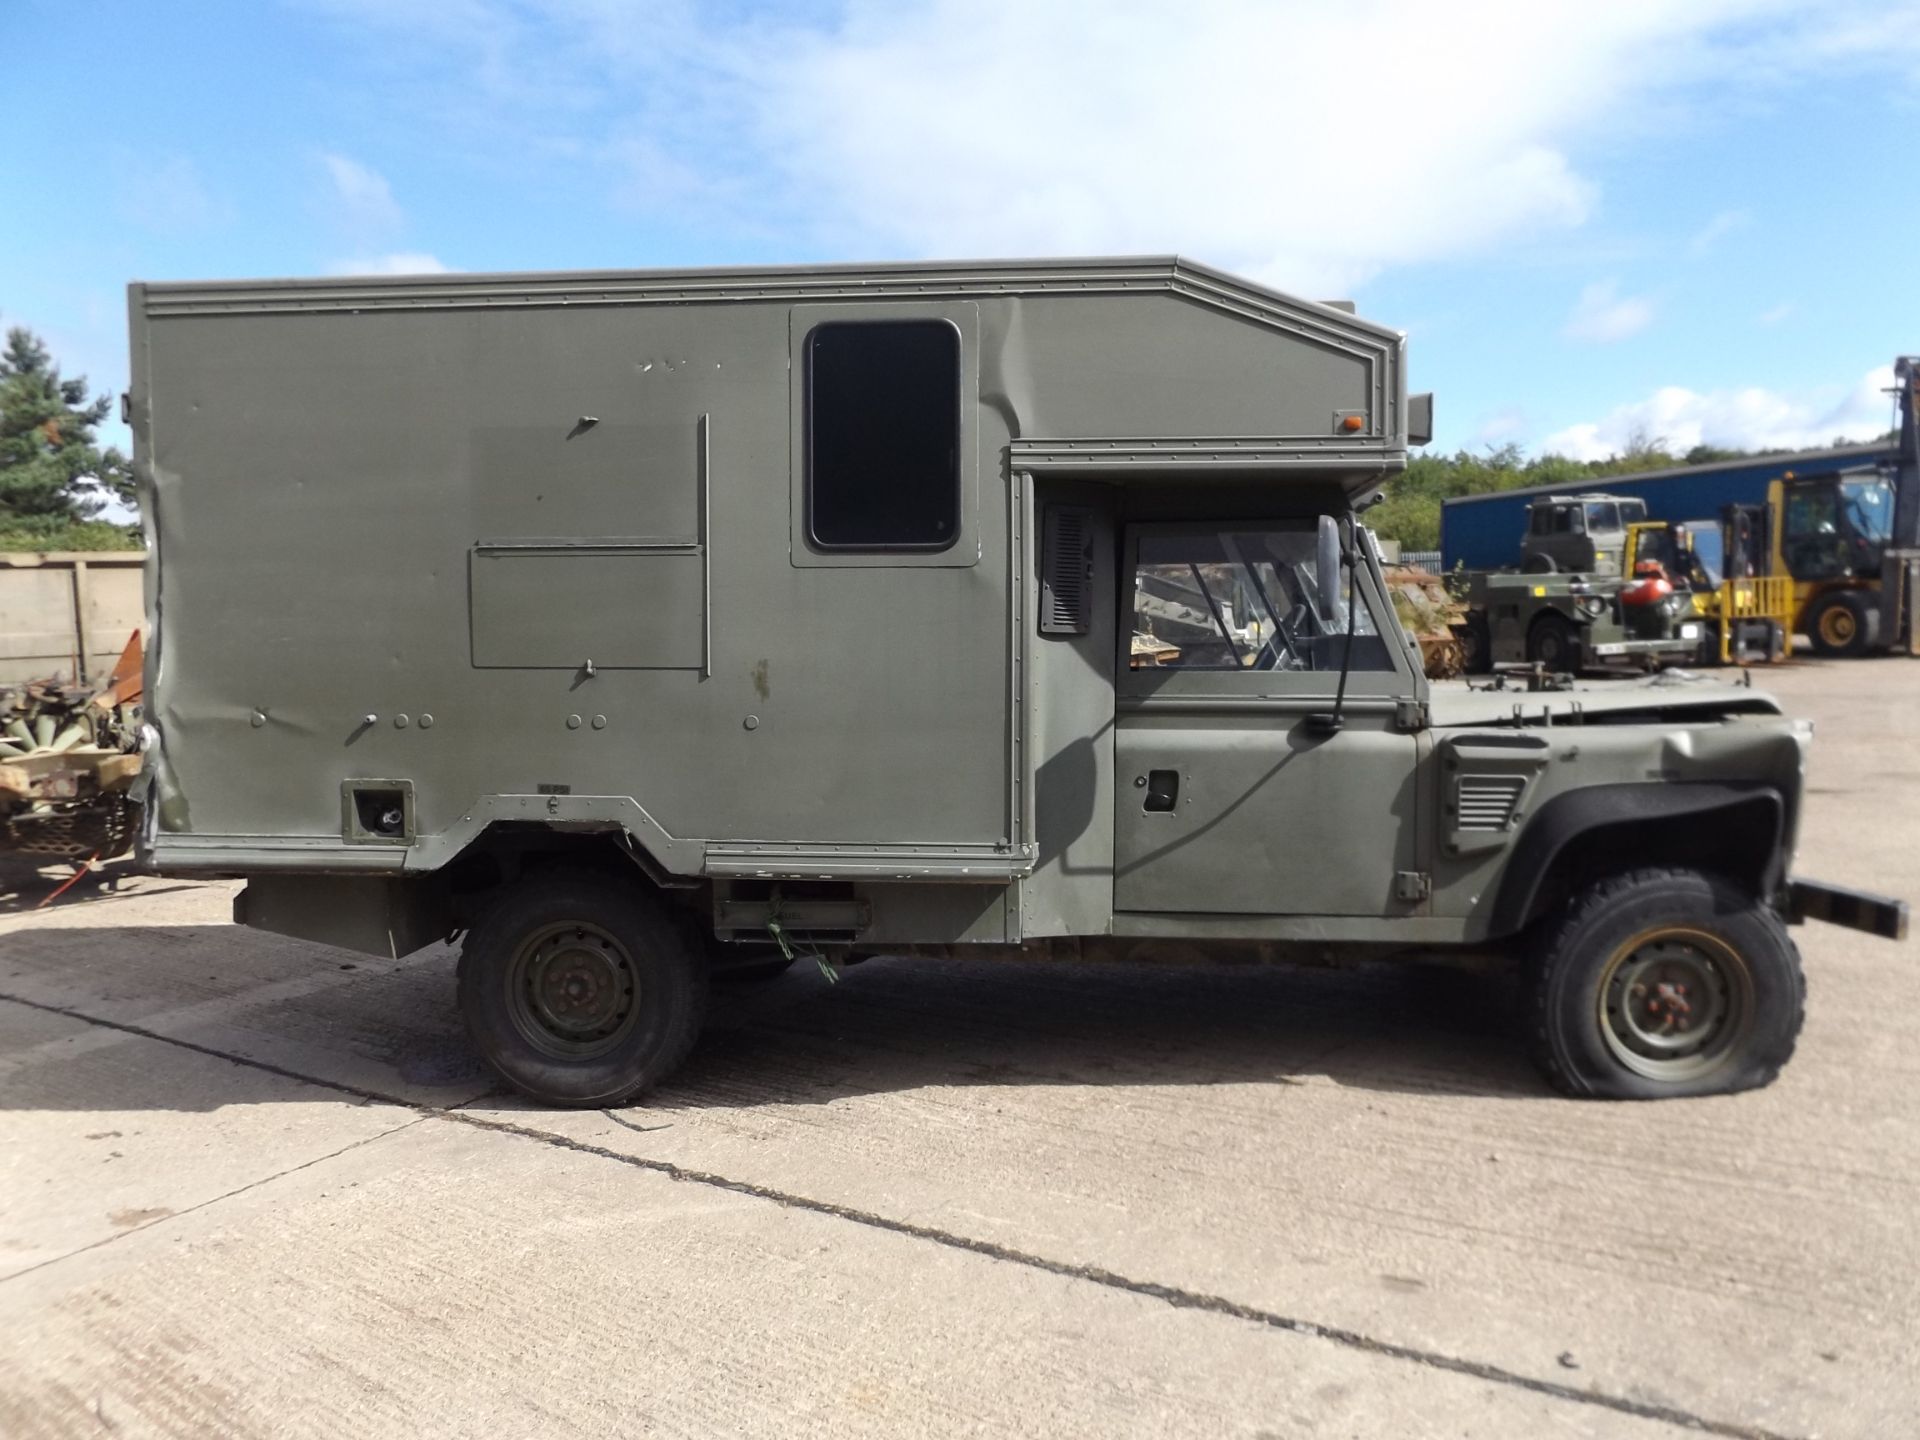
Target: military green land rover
{"x":636,"y":627}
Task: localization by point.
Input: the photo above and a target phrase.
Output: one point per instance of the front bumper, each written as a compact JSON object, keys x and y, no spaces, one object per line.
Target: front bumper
{"x":1617,"y":649}
{"x":1854,"y":909}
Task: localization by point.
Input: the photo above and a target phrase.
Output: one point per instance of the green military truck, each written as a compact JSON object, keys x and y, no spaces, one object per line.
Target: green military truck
{"x":1581,"y":534}
{"x":1572,"y":607}
{"x":623,"y":625}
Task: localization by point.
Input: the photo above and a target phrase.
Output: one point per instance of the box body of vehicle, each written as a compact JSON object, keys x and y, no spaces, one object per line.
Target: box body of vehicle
{"x":619,"y":620}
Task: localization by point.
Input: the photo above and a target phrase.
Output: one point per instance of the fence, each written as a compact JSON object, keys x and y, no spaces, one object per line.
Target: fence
{"x":68,"y":611}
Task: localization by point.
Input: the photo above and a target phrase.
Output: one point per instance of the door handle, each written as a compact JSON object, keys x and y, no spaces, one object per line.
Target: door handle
{"x":1163,"y":789}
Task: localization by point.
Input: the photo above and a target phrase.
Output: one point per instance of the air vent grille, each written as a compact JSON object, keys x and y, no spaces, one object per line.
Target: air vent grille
{"x":1066,"y":571}
{"x":1486,"y":802}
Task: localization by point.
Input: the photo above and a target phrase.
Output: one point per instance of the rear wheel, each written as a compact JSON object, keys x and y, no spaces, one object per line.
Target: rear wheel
{"x":581,"y":991}
{"x":1843,"y":623}
{"x":1663,"y":983}
{"x":1555,"y":643}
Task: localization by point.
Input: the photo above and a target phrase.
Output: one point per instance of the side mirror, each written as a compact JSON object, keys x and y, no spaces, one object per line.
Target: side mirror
{"x":1327,"y":567}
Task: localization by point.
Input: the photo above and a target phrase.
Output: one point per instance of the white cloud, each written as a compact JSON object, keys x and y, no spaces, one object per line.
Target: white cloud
{"x":1717,"y":229}
{"x":1312,"y":146}
{"x":1602,"y":315}
{"x":1159,"y":128}
{"x":168,"y":196}
{"x":1752,"y":418}
{"x":1773,"y":316}
{"x":1503,"y":426}
{"x":404,"y":262}
{"x":359,"y":197}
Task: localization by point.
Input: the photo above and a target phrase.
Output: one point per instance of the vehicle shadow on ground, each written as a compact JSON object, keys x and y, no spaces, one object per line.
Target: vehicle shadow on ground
{"x":893,"y":1025}
{"x":389,"y":1028}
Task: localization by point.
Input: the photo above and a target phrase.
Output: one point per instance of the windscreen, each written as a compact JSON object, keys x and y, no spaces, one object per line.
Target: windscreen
{"x":1709,"y":552}
{"x":1869,"y":507}
{"x":1603,"y":515}
{"x":1243,"y":600}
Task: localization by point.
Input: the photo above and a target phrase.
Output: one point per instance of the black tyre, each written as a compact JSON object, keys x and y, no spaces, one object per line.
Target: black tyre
{"x":1845,"y":622}
{"x":581,"y":991}
{"x":1555,"y":643}
{"x":1538,"y":564}
{"x":1662,"y":983}
{"x":1476,"y":645}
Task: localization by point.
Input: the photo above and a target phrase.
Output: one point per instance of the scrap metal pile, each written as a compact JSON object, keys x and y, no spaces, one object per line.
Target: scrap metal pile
{"x":69,"y":754}
{"x":1429,"y":613}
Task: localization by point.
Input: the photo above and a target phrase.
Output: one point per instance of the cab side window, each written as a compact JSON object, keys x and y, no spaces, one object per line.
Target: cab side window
{"x":1243,"y":600}
{"x":883,"y":435}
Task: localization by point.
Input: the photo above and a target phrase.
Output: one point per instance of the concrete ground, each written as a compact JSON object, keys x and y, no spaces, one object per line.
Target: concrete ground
{"x":252,"y":1186}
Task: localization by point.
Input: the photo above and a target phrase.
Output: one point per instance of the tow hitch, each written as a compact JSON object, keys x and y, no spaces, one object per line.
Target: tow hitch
{"x":1854,"y":909}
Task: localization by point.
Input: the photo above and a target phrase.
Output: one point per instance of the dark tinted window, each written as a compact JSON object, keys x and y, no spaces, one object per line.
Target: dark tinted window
{"x":883,"y":435}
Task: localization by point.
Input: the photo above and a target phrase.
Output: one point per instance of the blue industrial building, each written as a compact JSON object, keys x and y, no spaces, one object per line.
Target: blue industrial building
{"x":1483,"y":532}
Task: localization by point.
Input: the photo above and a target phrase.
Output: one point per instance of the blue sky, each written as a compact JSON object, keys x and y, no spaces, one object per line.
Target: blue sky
{"x":1694,"y":221}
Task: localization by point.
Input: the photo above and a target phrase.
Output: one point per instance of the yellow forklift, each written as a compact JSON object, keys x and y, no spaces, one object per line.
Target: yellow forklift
{"x":1746,"y":613}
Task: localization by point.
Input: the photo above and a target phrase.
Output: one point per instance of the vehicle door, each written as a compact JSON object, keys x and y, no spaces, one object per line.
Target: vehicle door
{"x":1231,"y":797}
{"x":1810,"y":531}
{"x":1559,"y":540}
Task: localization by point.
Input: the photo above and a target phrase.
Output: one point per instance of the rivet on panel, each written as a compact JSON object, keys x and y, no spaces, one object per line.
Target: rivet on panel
{"x":752,"y":722}
{"x":400,"y":722}
{"x":257,"y":719}
{"x":573,"y":722}
{"x":426,"y":722}
{"x":599,"y":722}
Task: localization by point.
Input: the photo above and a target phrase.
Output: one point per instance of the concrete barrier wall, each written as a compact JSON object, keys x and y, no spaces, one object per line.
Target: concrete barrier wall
{"x":58,"y":611}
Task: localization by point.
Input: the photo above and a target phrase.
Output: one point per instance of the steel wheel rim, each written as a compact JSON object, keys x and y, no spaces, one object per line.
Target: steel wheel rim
{"x":1674,"y":1003}
{"x":573,"y":991}
{"x":1553,"y":646}
{"x":1836,"y":625}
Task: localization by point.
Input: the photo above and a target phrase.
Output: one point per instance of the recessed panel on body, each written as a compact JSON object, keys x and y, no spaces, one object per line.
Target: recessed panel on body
{"x":559,"y":609}
{"x":573,"y":478}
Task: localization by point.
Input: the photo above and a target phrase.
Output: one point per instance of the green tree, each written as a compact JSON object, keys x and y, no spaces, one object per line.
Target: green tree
{"x":52,"y":471}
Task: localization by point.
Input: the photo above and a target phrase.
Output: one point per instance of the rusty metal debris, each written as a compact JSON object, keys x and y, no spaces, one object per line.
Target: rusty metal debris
{"x":69,"y":754}
{"x":1428,"y":612}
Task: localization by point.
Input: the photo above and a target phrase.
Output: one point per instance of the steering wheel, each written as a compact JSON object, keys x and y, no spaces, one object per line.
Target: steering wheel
{"x":1286,"y":654}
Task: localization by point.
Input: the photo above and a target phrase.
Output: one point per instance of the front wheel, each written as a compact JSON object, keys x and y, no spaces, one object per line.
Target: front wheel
{"x":1662,"y":983}
{"x":1554,"y":643}
{"x":1844,"y":623}
{"x":581,"y":991}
